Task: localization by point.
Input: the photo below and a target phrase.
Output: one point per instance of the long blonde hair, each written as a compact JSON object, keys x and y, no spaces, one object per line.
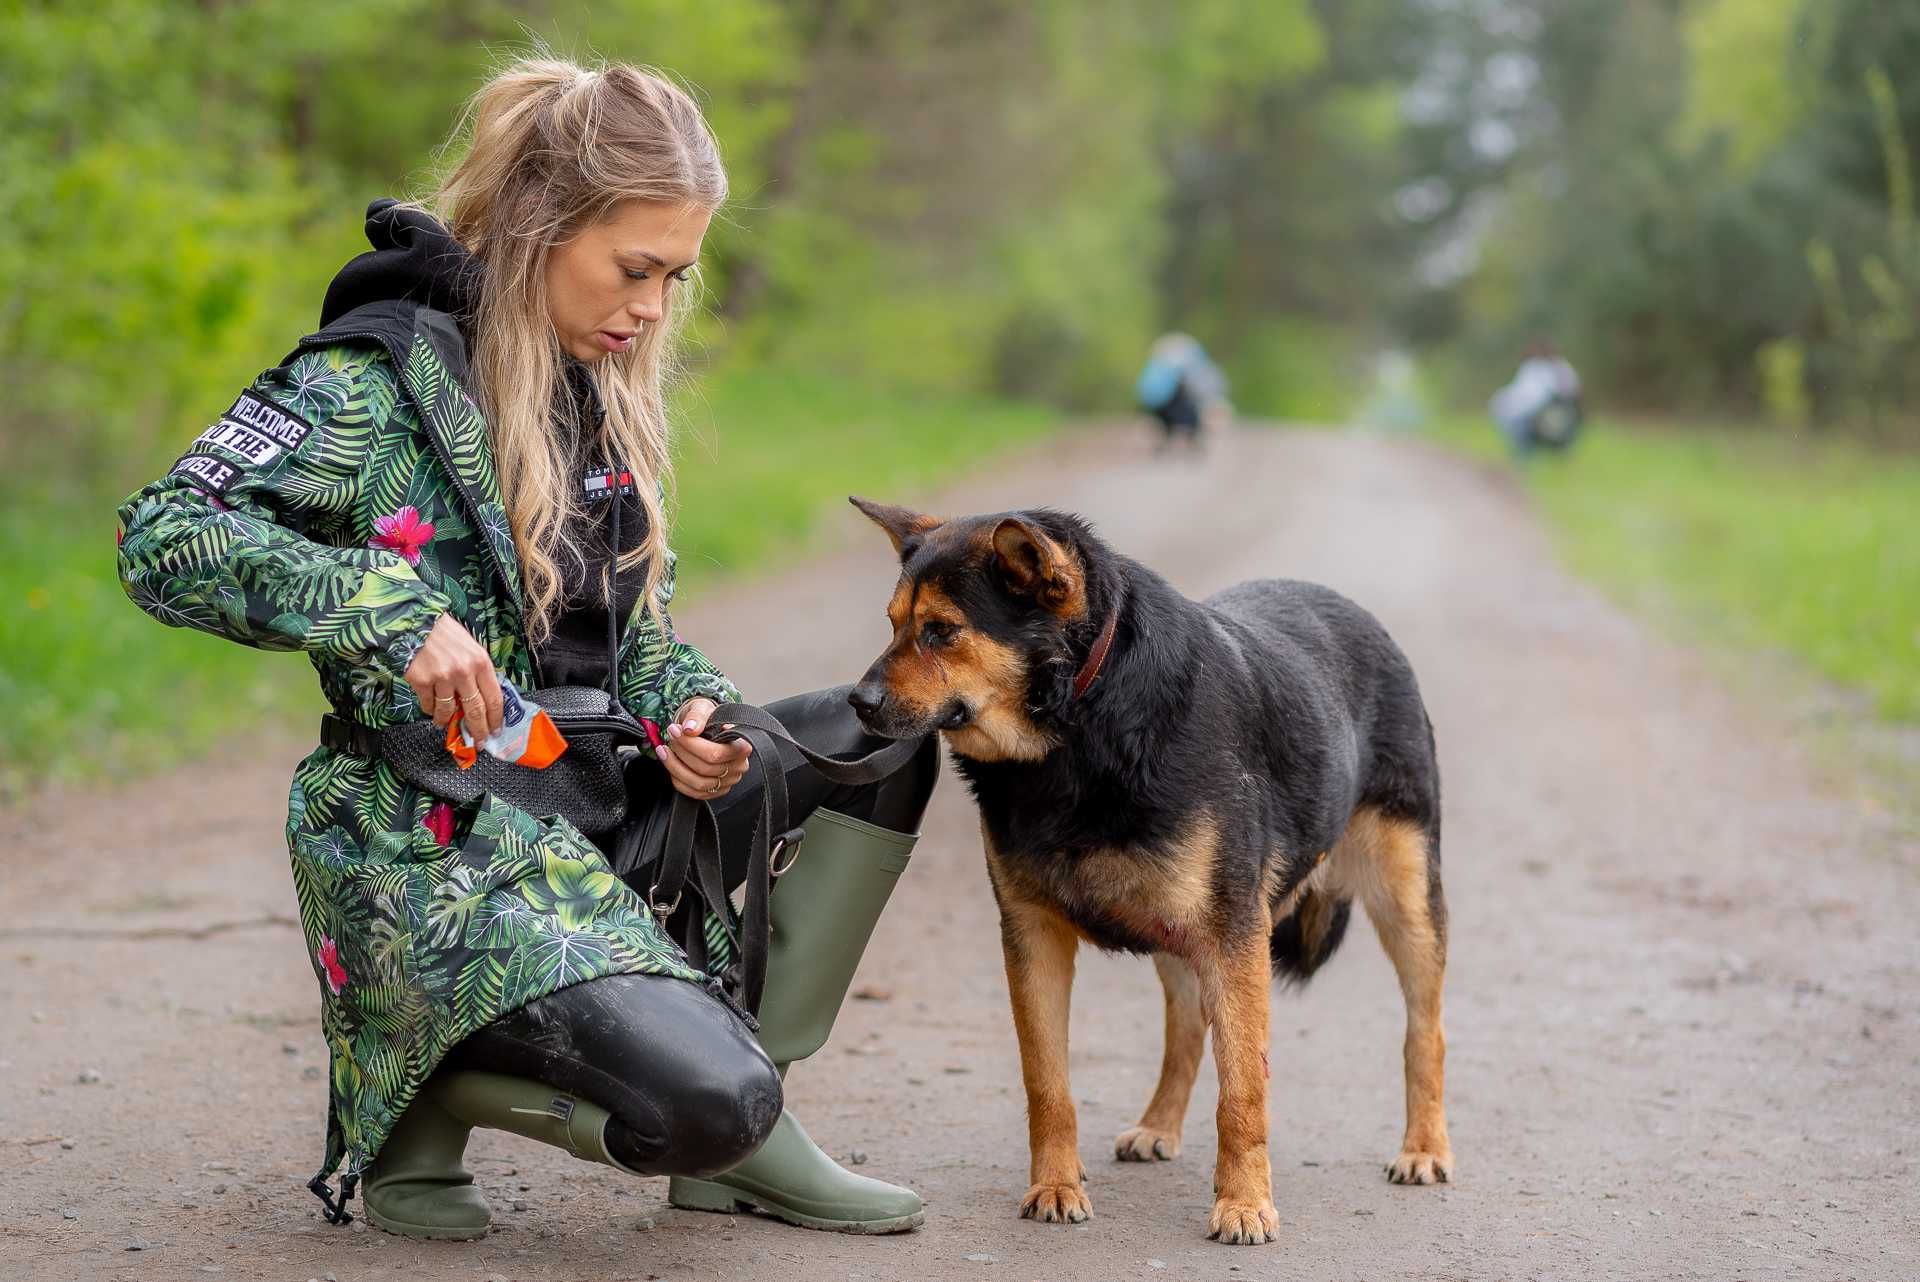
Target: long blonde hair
{"x":552,"y":148}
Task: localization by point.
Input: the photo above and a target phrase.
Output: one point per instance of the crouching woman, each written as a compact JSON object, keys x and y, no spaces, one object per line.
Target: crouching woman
{"x":459,"y":479}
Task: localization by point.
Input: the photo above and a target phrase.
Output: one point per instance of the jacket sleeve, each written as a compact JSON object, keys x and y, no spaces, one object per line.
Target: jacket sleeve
{"x":665,"y":671}
{"x":250,"y":535}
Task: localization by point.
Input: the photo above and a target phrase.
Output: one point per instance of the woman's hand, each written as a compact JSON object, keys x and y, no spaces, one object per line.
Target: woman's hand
{"x":452,"y":674}
{"x":701,"y":768}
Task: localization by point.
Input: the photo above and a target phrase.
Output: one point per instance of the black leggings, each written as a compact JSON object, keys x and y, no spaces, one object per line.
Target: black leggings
{"x":690,"y":1090}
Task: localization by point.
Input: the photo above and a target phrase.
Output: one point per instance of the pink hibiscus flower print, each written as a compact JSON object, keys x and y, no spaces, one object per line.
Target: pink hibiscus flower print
{"x":403,"y":532}
{"x":329,"y":956}
{"x":439,"y":822}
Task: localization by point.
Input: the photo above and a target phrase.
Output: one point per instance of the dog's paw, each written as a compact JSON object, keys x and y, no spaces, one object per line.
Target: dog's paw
{"x":1243,"y":1223}
{"x":1413,"y":1167}
{"x":1056,"y":1204}
{"x":1144,"y":1144}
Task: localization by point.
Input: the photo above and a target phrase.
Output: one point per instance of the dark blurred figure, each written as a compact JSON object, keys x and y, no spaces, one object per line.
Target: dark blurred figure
{"x":1541,"y":408}
{"x":1183,"y":389}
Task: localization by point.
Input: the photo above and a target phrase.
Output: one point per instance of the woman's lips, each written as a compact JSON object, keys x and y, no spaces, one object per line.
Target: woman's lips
{"x":614,"y":342}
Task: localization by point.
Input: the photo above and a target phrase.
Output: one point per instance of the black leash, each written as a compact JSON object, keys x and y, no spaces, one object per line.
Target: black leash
{"x":692,"y":844}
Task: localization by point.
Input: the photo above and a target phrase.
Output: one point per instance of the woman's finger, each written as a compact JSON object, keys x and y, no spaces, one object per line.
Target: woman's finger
{"x":695,"y":784}
{"x":492,"y":699}
{"x":473,"y":709}
{"x":709,"y":753}
{"x":444,"y":703}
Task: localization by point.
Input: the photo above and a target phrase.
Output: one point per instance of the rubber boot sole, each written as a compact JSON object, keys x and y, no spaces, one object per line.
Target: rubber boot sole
{"x":701,"y":1195}
{"x":430,"y":1232}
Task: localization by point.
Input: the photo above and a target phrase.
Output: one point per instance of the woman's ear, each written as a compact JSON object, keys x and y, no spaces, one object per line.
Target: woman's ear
{"x":904,"y":526}
{"x":1034,"y":566}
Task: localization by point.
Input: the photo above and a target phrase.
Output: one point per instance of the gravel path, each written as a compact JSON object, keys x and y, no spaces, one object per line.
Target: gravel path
{"x":1684,"y":1017}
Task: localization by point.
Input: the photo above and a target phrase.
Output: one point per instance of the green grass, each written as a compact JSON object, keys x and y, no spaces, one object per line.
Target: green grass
{"x":91,"y":686}
{"x":1802,"y":544}
{"x":767,"y":451}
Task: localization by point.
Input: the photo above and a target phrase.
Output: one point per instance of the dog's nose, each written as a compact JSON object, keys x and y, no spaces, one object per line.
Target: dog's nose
{"x":867,"y":697}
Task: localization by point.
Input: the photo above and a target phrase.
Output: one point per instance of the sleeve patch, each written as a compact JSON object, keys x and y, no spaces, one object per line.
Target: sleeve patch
{"x":263,"y":416}
{"x":208,"y":471}
{"x":255,"y":447}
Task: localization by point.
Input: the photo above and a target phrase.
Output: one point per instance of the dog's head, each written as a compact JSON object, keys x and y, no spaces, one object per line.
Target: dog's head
{"x":982,"y":619}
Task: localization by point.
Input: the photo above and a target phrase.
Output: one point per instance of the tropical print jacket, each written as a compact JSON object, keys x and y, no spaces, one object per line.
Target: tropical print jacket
{"x":344,"y":502}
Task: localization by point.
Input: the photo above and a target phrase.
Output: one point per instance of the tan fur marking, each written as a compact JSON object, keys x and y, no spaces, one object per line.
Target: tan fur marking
{"x":1168,"y":897}
{"x":1234,"y":981}
{"x":1383,"y":863}
{"x":1039,"y":947}
{"x":1157,"y":1137}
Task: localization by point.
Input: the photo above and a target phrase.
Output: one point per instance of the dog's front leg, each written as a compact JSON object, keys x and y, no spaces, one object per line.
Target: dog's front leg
{"x":1039,"y":947}
{"x":1235,"y":977}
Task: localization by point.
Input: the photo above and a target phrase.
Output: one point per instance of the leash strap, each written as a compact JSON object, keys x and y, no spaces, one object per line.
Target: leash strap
{"x":693,"y":834}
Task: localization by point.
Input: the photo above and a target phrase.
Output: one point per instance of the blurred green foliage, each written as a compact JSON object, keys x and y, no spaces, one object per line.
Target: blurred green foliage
{"x":1708,"y":206}
{"x":995,"y":199}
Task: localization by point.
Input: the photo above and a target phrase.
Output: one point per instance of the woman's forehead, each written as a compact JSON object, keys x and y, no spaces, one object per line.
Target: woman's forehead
{"x":668,"y":232}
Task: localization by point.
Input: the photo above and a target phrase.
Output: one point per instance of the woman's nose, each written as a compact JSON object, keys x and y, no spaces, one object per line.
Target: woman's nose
{"x":645,"y":309}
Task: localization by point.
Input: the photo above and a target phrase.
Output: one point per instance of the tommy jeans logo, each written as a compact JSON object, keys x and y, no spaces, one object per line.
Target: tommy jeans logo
{"x":599,"y":483}
{"x":242,"y":440}
{"x":212,"y":473}
{"x":264,"y":416}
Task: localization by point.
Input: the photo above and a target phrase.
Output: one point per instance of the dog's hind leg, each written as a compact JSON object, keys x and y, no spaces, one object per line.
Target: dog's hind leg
{"x":1391,"y":865}
{"x":1157,"y":1137}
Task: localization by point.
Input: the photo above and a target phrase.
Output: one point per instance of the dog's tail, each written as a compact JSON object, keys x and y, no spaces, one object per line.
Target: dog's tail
{"x":1304,"y":939}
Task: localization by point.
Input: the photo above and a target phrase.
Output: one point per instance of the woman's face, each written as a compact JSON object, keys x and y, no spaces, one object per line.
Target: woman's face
{"x":612,"y":279}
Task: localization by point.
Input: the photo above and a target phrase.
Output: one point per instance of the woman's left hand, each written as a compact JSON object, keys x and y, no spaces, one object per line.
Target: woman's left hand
{"x":701,"y":768}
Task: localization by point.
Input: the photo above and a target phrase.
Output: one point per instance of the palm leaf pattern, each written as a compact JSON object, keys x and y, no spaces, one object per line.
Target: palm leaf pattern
{"x":434,"y":940}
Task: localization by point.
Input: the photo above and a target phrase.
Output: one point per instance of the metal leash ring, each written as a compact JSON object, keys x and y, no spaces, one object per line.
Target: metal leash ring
{"x":789,"y":842}
{"x":658,"y":911}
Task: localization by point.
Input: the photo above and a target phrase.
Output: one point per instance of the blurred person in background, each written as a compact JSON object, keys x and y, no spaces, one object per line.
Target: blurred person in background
{"x":461,"y":478}
{"x":1183,"y":389}
{"x":1541,"y":407}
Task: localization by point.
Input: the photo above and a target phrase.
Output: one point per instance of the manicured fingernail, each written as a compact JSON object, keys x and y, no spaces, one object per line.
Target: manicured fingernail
{"x":661,"y":752}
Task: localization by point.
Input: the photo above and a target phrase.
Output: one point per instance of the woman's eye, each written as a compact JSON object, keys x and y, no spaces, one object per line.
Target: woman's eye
{"x":676,"y":275}
{"x":633,"y":274}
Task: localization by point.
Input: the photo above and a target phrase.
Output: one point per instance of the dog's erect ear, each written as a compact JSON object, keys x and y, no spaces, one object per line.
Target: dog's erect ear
{"x":903,"y":525}
{"x":1036,"y":566}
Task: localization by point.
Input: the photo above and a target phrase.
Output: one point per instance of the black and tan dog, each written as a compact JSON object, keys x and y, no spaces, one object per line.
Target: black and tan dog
{"x":1212,"y":783}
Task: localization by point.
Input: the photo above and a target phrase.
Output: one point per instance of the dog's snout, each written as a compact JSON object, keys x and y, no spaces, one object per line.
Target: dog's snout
{"x":867,"y":698}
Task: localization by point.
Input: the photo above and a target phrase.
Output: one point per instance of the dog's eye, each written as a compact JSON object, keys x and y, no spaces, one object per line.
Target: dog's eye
{"x":933,"y":635}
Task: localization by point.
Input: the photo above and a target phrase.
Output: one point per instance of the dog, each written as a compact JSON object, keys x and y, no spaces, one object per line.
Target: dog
{"x":1211,"y":783}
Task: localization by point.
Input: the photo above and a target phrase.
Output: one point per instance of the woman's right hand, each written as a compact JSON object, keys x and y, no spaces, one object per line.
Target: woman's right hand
{"x":452,"y":674}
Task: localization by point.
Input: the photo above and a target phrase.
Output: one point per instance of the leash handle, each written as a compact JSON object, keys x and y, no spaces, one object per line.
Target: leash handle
{"x":693,"y":834}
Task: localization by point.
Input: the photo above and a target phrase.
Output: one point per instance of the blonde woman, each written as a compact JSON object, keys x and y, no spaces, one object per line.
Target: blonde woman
{"x":459,"y":479}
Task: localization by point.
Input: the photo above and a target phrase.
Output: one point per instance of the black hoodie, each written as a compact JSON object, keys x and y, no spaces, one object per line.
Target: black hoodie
{"x":415,"y":259}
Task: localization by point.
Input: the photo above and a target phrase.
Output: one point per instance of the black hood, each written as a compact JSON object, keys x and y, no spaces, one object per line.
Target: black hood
{"x":414,"y":258}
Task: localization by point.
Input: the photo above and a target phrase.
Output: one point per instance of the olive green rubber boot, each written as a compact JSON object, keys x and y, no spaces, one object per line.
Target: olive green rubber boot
{"x":417,"y":1186}
{"x":822,"y":914}
{"x":532,"y":1109}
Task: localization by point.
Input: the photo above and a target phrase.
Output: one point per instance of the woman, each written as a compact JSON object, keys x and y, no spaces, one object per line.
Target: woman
{"x":459,"y":479}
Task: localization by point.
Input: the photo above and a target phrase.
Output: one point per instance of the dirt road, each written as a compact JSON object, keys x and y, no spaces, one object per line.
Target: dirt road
{"x":1683,"y":1006}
